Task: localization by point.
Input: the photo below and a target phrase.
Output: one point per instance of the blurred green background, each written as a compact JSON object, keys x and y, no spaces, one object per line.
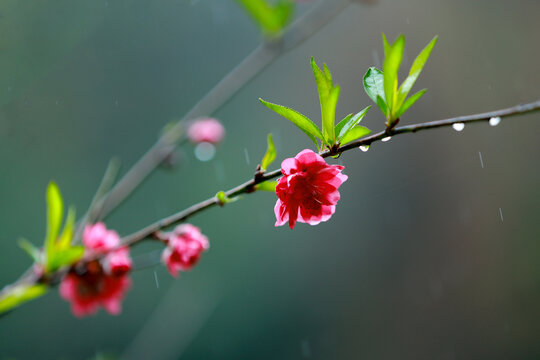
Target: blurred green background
{"x":415,"y":264}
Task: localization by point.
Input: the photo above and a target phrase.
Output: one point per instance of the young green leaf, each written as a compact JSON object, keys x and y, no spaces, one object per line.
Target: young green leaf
{"x":270,"y":154}
{"x":374,"y":84}
{"x":67,"y":234}
{"x":351,"y":123}
{"x":410,"y":101}
{"x":324,"y":88}
{"x":415,"y":71}
{"x":30,"y":249}
{"x":355,"y":133}
{"x":65,"y":257}
{"x":342,"y":123}
{"x":303,"y":122}
{"x":224,"y":199}
{"x":54,"y":216}
{"x":387,"y":47}
{"x":383,"y":106}
{"x":20,"y":294}
{"x":392,"y":61}
{"x":271,"y":18}
{"x":329,"y":116}
{"x":267,"y":186}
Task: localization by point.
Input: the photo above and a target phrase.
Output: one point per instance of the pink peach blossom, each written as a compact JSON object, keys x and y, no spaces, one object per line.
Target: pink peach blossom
{"x":94,"y":288}
{"x":184,"y":248}
{"x":307,"y":192}
{"x":118,"y":262}
{"x":98,"y":239}
{"x":206,"y":130}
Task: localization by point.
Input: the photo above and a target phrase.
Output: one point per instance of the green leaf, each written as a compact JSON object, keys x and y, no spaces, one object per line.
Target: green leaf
{"x":342,"y":123}
{"x":382,"y":105}
{"x":355,"y":133}
{"x":328,"y":75}
{"x":270,"y":154}
{"x":54,"y":216}
{"x":30,"y":249}
{"x":67,"y":234}
{"x":65,"y":257}
{"x":392,"y":61}
{"x":267,"y":186}
{"x":387,"y":47}
{"x":324,"y":87}
{"x":374,"y":84}
{"x":353,"y":121}
{"x":329,"y":116}
{"x":270,"y":18}
{"x":415,"y":71}
{"x":224,"y":199}
{"x":20,"y":294}
{"x":410,"y":101}
{"x":303,"y":122}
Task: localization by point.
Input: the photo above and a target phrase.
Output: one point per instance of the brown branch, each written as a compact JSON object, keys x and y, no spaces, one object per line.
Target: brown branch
{"x":248,"y":186}
{"x":152,"y":231}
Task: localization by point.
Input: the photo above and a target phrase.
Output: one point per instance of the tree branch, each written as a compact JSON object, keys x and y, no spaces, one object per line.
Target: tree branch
{"x":249,"y":186}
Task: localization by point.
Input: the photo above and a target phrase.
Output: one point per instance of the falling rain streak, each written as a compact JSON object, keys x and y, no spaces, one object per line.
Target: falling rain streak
{"x":481,"y":160}
{"x":500,"y":213}
{"x":155,"y":278}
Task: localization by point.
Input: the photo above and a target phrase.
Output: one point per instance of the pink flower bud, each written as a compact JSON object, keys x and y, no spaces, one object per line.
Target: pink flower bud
{"x":184,"y":248}
{"x":98,"y":239}
{"x":118,"y":262}
{"x":206,"y":130}
{"x":307,"y":192}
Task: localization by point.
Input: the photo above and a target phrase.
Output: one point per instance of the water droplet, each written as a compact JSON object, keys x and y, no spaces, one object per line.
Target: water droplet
{"x":494,"y":121}
{"x":364,"y":148}
{"x":458,"y":126}
{"x":205,"y":151}
{"x":386,"y":138}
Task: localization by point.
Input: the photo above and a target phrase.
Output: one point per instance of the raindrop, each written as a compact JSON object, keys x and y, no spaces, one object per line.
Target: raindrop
{"x":205,"y":151}
{"x":155,"y":277}
{"x":500,"y":213}
{"x":386,"y":138}
{"x":364,"y":148}
{"x":481,"y":160}
{"x":494,"y":121}
{"x":246,"y":154}
{"x":458,"y":126}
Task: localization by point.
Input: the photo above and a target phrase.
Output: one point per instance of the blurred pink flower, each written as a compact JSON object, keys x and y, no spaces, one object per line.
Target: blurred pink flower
{"x":101,"y":282}
{"x":307,"y":192}
{"x":93,"y":289}
{"x":206,"y":130}
{"x":184,"y":248}
{"x":118,"y":262}
{"x":98,"y":239}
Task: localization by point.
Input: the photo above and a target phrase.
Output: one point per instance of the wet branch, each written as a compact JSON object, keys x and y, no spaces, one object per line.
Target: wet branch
{"x":249,"y":186}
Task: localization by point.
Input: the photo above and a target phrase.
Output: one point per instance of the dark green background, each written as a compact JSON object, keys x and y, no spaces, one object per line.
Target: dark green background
{"x":415,"y":264}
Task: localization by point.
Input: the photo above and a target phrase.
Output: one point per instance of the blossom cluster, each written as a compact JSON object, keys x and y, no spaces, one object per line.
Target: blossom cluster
{"x":104,"y":279}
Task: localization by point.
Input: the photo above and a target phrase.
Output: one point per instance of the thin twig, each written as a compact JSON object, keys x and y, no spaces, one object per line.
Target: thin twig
{"x":248,"y":186}
{"x":301,"y":30}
